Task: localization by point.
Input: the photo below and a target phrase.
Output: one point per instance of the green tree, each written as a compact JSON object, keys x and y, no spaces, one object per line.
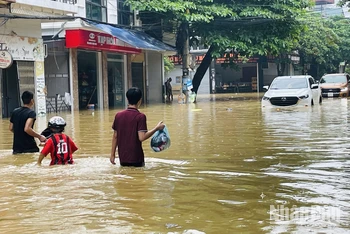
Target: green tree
{"x":168,"y":65}
{"x":341,"y":26}
{"x":318,"y":46}
{"x":248,"y":27}
{"x":323,"y":44}
{"x":344,"y":3}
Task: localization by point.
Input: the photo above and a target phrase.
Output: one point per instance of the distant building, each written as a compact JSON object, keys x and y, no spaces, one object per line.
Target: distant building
{"x":329,"y":8}
{"x":323,"y":2}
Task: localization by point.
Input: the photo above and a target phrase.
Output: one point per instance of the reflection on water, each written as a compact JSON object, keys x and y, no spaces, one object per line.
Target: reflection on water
{"x":228,"y":164}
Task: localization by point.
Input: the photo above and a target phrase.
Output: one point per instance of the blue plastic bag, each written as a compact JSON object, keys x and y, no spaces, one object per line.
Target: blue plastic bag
{"x":160,"y":140}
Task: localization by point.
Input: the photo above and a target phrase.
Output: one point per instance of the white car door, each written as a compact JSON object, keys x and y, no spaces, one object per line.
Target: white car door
{"x":315,"y":91}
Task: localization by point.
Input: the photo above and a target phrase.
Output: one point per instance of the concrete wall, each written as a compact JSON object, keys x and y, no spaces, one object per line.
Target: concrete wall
{"x":22,"y":27}
{"x":57,"y":74}
{"x":112,"y":15}
{"x":57,"y":7}
{"x":175,"y":75}
{"x":270,"y":73}
{"x":105,"y":79}
{"x":176,"y":83}
{"x":81,"y":8}
{"x":73,"y":64}
{"x":154,"y":77}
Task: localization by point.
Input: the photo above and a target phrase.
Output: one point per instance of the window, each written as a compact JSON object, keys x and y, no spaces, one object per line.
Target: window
{"x":96,"y":10}
{"x":124,"y":13}
{"x":311,"y":81}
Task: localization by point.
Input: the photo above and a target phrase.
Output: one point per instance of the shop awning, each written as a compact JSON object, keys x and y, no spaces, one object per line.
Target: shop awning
{"x":135,"y":38}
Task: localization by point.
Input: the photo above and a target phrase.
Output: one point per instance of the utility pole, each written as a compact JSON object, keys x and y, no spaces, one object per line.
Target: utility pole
{"x":185,"y":59}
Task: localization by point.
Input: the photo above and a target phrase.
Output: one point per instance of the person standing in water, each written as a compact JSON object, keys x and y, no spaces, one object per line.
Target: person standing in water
{"x":59,"y":145}
{"x":169,"y":90}
{"x":130,"y":130}
{"x":21,"y":124}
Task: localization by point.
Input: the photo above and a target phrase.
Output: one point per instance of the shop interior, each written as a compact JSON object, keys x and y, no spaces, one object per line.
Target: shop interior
{"x":116,"y":94}
{"x":228,"y":80}
{"x":87,"y":79}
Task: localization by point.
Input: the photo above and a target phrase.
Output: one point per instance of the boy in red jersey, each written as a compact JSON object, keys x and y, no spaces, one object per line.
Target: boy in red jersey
{"x":130,"y":130}
{"x":59,"y":145}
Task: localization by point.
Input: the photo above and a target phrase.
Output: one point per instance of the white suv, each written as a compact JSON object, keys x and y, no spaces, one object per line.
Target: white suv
{"x":286,"y":91}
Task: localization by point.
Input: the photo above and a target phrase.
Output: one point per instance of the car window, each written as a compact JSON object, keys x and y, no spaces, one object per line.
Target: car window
{"x":311,"y":81}
{"x":333,"y":79}
{"x":289,"y":83}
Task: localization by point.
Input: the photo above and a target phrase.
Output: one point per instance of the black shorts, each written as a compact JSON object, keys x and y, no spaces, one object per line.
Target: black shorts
{"x":124,"y":164}
{"x":34,"y":150}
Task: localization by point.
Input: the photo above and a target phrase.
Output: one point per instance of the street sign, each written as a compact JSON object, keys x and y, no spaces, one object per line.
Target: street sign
{"x":5,"y":59}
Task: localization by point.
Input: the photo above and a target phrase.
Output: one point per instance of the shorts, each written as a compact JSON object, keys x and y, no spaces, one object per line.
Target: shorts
{"x":125,"y":164}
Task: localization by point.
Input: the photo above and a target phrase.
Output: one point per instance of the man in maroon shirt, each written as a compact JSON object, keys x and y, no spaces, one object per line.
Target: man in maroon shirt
{"x":130,"y":130}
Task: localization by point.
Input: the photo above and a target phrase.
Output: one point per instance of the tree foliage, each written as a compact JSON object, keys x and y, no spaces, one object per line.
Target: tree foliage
{"x":318,"y":43}
{"x":344,"y":3}
{"x":168,"y":65}
{"x":324,"y":43}
{"x":341,"y":26}
{"x":255,"y":28}
{"x":248,"y":26}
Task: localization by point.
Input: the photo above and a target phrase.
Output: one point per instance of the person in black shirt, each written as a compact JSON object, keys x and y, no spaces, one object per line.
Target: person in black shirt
{"x":169,"y":90}
{"x":21,"y":124}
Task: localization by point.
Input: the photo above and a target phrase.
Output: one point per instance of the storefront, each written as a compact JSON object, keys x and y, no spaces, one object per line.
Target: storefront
{"x":243,"y":79}
{"x":102,"y":62}
{"x":97,"y":65}
{"x":26,"y":72}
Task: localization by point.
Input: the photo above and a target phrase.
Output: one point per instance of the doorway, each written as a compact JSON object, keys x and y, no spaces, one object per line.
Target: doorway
{"x":116,"y":93}
{"x":87,"y":80}
{"x":10,"y":90}
{"x":137,"y":78}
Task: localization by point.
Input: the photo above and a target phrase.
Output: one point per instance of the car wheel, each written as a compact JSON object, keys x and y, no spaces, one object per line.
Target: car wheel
{"x":320,"y":100}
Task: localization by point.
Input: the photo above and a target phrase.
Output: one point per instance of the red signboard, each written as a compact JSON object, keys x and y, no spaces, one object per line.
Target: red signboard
{"x":84,"y":39}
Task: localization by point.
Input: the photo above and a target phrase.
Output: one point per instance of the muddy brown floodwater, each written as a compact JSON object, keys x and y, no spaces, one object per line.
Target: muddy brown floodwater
{"x":232,"y":168}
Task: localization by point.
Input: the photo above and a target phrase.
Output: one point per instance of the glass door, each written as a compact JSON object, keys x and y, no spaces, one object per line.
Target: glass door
{"x":116,"y":92}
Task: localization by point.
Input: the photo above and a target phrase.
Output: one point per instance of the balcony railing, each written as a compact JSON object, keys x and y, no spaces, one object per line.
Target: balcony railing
{"x":73,"y":2}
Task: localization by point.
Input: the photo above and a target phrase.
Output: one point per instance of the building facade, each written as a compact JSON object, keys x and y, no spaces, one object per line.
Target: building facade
{"x":22,"y":51}
{"x":329,"y":8}
{"x":93,"y":61}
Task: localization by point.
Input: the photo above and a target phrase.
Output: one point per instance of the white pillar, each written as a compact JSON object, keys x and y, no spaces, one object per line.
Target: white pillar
{"x":146,"y":81}
{"x":257,"y":78}
{"x":71,"y":80}
{"x":99,"y":88}
{"x":125,"y":64}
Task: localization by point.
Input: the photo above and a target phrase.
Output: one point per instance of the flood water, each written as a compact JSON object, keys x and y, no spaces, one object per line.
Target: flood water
{"x":230,"y":164}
